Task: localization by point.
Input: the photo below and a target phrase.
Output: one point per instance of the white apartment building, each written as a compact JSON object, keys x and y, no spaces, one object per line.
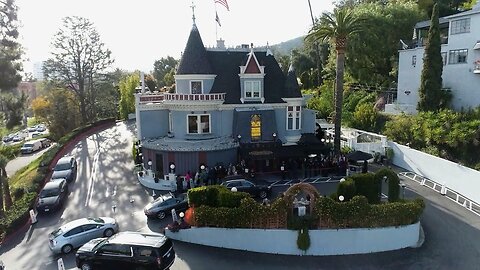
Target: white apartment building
{"x":460,"y":37}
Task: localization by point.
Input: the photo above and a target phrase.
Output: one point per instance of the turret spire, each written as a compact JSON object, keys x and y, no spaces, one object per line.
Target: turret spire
{"x":193,"y":12}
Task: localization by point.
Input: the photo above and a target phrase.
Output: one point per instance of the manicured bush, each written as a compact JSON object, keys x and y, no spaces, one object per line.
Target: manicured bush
{"x":367,"y":185}
{"x":226,"y":198}
{"x":207,"y":195}
{"x":393,"y":183}
{"x":346,"y":189}
{"x":303,"y":240}
{"x":18,"y":214}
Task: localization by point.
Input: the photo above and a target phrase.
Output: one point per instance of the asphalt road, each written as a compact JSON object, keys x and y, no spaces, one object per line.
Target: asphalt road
{"x":105,"y":179}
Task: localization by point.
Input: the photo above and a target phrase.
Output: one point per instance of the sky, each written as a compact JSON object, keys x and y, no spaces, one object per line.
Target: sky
{"x":142,"y":31}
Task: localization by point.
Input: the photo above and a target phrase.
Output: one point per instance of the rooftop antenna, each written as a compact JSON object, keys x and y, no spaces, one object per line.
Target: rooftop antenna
{"x":193,"y":12}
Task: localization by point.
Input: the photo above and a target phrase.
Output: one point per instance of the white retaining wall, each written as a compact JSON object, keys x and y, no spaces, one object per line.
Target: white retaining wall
{"x":461,"y":179}
{"x":322,"y":242}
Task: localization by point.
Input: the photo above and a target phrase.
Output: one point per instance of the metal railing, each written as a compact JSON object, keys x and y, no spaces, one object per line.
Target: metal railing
{"x":469,"y":204}
{"x":173,"y":97}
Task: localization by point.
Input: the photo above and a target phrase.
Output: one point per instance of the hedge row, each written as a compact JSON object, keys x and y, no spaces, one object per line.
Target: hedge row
{"x":216,"y":196}
{"x":327,"y":213}
{"x":358,"y":213}
{"x":18,"y":214}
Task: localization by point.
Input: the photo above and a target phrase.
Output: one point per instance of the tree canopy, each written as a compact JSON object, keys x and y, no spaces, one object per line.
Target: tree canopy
{"x":163,"y":71}
{"x":10,"y":49}
{"x":78,"y":61}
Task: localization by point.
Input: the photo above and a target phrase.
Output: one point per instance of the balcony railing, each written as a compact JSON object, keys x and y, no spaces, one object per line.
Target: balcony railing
{"x":168,"y":97}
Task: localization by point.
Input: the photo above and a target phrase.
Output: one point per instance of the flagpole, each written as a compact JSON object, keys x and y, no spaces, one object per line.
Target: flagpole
{"x":216,"y":26}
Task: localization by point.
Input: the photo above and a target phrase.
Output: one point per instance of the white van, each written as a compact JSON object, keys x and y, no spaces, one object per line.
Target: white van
{"x":31,"y":146}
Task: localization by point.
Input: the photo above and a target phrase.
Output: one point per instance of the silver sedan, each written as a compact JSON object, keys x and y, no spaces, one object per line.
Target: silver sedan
{"x":78,"y":232}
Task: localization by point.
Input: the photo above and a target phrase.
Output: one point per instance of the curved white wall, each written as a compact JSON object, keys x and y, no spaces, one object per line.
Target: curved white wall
{"x":322,"y":242}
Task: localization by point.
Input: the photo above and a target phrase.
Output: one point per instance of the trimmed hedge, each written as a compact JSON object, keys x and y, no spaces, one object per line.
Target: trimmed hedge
{"x":356,"y":213}
{"x":366,"y":184}
{"x":215,"y":196}
{"x":393,"y":183}
{"x":347,"y":189}
{"x":17,"y":215}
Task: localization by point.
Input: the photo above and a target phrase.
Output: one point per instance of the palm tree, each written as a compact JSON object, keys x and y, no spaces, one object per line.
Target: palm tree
{"x":338,"y":27}
{"x":4,"y":186}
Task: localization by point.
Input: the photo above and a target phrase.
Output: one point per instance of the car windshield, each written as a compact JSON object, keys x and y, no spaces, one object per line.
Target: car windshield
{"x":28,"y":145}
{"x":49,"y":193}
{"x":98,"y":220}
{"x":57,"y":232}
{"x":62,"y":167}
{"x":162,"y":198}
{"x":100,"y":244}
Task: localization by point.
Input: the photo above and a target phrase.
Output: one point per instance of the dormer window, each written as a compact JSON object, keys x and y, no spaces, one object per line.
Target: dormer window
{"x":252,"y":89}
{"x":196,"y":87}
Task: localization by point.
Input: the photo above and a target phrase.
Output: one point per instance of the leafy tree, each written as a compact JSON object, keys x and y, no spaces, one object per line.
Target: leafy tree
{"x":5,"y":197}
{"x":127,"y":99}
{"x":78,"y":59}
{"x":161,"y":68}
{"x":365,"y":117}
{"x":323,"y":103}
{"x":150,"y":82}
{"x":108,"y":94}
{"x":430,"y":91}
{"x":337,"y":26}
{"x":40,"y":107}
{"x":10,"y":49}
{"x":14,"y":108}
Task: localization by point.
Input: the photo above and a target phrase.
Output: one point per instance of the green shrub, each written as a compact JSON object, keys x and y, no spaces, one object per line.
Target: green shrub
{"x":303,"y":240}
{"x":367,"y":185}
{"x":18,"y":214}
{"x":393,"y":183}
{"x":347,"y":189}
{"x":207,"y":195}
{"x":226,"y":198}
{"x":11,"y":151}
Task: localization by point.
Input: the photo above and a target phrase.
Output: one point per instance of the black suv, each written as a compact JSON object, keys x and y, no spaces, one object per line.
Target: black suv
{"x":127,"y":250}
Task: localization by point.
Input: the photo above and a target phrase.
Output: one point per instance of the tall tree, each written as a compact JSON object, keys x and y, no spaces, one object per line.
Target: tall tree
{"x":431,"y":78}
{"x":10,"y":49}
{"x":161,"y":68}
{"x":127,"y":99}
{"x":338,"y":27}
{"x":78,"y":59}
{"x":14,"y":108}
{"x":5,"y":187}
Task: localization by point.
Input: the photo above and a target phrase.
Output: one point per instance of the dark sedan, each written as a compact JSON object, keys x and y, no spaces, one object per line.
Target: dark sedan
{"x":242,"y":185}
{"x":163,"y":205}
{"x":66,"y":167}
{"x":52,"y":196}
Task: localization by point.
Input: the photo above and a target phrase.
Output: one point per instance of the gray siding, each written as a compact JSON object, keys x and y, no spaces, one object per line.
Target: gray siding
{"x":225,"y":157}
{"x":154,"y":123}
{"x":183,"y":85}
{"x":280,"y":117}
{"x":221,"y":124}
{"x":308,"y":121}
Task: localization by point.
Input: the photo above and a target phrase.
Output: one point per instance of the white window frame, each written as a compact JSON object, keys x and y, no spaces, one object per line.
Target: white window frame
{"x":251,"y":90}
{"x":170,"y":122}
{"x":201,"y":86}
{"x":444,"y":57}
{"x":296,"y":117}
{"x":460,"y":26}
{"x":199,"y":126}
{"x":453,"y":56}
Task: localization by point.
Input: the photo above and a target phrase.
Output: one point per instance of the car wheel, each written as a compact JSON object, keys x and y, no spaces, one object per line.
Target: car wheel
{"x":108,"y":232}
{"x":67,"y":249}
{"x":161,"y":215}
{"x":263,"y":194}
{"x":86,"y":266}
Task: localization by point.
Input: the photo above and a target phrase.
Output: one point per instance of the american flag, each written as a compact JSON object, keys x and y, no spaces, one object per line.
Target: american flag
{"x":223,"y":3}
{"x":217,"y":19}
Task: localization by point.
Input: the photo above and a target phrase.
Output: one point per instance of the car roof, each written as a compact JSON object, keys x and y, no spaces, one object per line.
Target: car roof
{"x":140,"y":239}
{"x":65,"y":159}
{"x":54,"y":183}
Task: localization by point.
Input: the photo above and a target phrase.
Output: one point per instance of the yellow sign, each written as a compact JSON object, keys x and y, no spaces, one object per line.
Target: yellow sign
{"x":255,"y":127}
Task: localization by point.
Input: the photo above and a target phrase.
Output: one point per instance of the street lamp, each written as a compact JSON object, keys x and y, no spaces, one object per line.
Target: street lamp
{"x":172,"y":168}
{"x":403,"y":190}
{"x":342,"y":180}
{"x":239,"y":137}
{"x":341,"y":198}
{"x":234,"y":189}
{"x":274,"y":136}
{"x":202,"y":167}
{"x":150,"y":164}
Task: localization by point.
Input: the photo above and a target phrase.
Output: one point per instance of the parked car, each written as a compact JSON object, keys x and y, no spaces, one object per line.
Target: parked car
{"x":18,"y":138}
{"x":163,"y":205}
{"x":52,"y":196}
{"x":66,"y":167}
{"x":78,"y":232}
{"x":127,"y":250}
{"x":41,"y":128}
{"x":243,"y":185}
{"x":31,"y":146}
{"x":8,"y":138}
{"x":32,"y":128}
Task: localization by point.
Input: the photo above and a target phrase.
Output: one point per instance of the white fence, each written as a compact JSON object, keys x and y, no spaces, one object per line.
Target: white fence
{"x":457,"y":182}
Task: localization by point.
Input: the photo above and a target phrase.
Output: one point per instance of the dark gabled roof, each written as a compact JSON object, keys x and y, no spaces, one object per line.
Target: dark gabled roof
{"x":292,"y":90}
{"x":194,"y":59}
{"x":226,"y":64}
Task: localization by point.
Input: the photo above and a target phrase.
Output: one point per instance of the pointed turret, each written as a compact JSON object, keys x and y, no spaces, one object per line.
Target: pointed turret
{"x":194,"y":59}
{"x":291,"y":84}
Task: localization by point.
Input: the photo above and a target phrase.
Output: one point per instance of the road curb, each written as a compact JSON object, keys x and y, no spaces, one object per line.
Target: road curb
{"x":67,"y":146}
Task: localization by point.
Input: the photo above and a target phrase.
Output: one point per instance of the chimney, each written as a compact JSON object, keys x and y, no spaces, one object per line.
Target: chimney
{"x":142,"y":81}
